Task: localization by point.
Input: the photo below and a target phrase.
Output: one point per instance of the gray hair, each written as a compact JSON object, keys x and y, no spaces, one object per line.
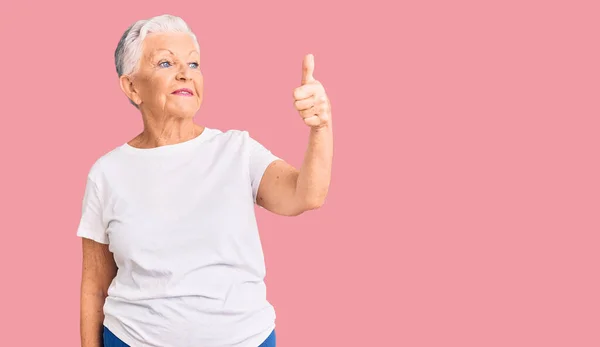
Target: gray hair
{"x":129,"y":49}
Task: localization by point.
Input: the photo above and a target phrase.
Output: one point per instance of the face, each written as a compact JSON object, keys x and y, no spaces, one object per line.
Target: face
{"x":168,"y":79}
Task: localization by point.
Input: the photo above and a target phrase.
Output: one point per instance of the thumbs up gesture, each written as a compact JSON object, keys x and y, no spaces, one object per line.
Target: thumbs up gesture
{"x":310,"y":98}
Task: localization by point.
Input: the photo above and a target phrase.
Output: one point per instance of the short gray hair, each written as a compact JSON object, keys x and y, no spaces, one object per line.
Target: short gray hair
{"x":129,"y":49}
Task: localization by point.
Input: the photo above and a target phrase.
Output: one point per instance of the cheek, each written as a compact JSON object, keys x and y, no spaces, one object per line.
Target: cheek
{"x":159,"y":88}
{"x":199,"y":84}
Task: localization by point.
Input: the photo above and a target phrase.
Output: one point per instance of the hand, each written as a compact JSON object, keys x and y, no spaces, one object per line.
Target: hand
{"x":311,"y":101}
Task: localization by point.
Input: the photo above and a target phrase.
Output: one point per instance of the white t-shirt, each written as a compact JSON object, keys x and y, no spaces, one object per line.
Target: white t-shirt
{"x":180,"y":221}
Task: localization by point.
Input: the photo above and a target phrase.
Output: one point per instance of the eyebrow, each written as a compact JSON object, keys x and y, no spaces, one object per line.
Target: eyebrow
{"x":167,"y":50}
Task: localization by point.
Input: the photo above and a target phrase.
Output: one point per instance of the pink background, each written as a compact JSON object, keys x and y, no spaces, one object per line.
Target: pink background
{"x":465,"y":203}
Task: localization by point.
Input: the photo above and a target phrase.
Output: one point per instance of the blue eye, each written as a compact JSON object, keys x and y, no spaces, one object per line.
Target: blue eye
{"x":194,"y":65}
{"x":164,"y":62}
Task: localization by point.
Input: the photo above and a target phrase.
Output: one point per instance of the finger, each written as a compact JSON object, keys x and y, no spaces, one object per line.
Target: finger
{"x":304,"y":104}
{"x":312,"y":121}
{"x":309,"y":113}
{"x":308,"y":67}
{"x":323,"y":103}
{"x":306,"y":91}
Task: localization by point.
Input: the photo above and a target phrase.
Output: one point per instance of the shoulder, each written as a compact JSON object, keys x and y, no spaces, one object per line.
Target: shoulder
{"x":97,"y":170}
{"x":232,"y":137}
{"x":240,"y":143}
{"x":230,"y":134}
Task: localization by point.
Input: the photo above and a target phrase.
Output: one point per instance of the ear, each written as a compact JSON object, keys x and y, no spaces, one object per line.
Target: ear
{"x":128,"y":88}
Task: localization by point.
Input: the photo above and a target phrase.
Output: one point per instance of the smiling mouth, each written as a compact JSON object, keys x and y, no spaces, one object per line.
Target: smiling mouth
{"x":183,"y":92}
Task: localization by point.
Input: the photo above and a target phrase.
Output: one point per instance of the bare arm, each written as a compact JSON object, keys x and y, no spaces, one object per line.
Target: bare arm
{"x":315,"y":174}
{"x":285,"y":190}
{"x":98,"y":271}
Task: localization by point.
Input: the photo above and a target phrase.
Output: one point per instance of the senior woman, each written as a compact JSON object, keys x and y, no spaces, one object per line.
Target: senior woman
{"x":171,"y":250}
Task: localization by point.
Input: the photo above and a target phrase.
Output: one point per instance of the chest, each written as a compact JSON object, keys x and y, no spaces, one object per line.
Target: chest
{"x":179,"y":208}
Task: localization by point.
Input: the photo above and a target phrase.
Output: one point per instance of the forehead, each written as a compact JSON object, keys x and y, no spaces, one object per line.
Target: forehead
{"x":180,"y":44}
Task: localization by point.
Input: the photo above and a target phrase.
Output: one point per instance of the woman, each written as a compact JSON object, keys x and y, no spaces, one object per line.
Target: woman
{"x":171,"y":251}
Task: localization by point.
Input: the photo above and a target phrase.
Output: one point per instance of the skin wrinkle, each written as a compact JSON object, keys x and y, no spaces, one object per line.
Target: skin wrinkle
{"x":168,"y":118}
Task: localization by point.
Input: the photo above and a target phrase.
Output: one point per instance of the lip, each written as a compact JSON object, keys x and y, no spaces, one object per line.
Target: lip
{"x":183,"y":92}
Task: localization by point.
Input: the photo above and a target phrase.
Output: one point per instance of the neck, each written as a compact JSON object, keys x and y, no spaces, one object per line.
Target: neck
{"x":166,"y":131}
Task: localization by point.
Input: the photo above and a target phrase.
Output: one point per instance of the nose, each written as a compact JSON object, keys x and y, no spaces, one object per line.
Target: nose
{"x":183,"y":74}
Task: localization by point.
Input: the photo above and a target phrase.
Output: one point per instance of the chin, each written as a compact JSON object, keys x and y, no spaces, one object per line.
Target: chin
{"x":184,"y":111}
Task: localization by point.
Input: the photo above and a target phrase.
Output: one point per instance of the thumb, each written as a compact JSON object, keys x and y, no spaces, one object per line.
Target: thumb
{"x":308,"y":67}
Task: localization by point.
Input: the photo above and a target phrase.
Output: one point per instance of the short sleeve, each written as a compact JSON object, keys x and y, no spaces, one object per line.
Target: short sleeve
{"x":260,"y":159}
{"x":91,"y":224}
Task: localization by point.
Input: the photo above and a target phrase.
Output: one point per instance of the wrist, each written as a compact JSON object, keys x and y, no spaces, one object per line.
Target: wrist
{"x":324,"y":127}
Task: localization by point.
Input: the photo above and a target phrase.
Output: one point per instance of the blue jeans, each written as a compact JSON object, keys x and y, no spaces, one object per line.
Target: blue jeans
{"x":110,"y":340}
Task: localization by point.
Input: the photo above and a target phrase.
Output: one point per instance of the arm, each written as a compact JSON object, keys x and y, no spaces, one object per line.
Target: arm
{"x":315,"y":174}
{"x":98,"y":271}
{"x":285,"y":190}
